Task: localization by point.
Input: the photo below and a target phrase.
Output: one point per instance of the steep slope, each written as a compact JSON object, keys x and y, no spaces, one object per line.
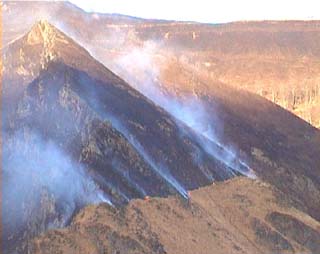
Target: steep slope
{"x":70,"y":67}
{"x":253,"y":218}
{"x":80,"y":129}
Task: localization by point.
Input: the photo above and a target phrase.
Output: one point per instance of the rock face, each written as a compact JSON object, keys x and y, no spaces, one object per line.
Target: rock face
{"x":253,"y":218}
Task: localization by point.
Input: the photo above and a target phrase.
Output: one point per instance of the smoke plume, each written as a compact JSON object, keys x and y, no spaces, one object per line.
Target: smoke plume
{"x":139,"y":69}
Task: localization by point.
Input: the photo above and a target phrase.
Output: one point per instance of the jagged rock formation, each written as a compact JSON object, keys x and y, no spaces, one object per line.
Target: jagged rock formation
{"x":253,"y":218}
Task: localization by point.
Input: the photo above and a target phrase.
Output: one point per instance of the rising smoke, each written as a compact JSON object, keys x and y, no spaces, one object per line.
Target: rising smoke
{"x":139,"y":69}
{"x":42,"y":187}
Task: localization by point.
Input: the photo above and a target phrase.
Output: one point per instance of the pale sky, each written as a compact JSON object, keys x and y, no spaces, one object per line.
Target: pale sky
{"x":208,"y":11}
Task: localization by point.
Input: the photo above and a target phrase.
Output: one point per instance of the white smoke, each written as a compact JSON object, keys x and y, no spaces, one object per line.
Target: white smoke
{"x":140,"y":69}
{"x":33,"y":167}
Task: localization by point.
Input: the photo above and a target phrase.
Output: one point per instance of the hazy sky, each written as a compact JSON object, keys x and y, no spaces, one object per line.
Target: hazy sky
{"x":208,"y":11}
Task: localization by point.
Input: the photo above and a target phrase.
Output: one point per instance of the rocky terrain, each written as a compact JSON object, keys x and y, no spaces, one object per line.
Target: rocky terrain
{"x":123,"y":160}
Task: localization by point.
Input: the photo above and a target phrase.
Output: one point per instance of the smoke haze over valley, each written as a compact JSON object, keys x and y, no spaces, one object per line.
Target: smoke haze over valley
{"x":129,"y":135}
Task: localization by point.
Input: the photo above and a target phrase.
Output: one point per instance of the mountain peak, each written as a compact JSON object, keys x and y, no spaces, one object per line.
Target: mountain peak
{"x":49,"y":38}
{"x":44,"y":24}
{"x":45,"y":43}
{"x":43,"y":32}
